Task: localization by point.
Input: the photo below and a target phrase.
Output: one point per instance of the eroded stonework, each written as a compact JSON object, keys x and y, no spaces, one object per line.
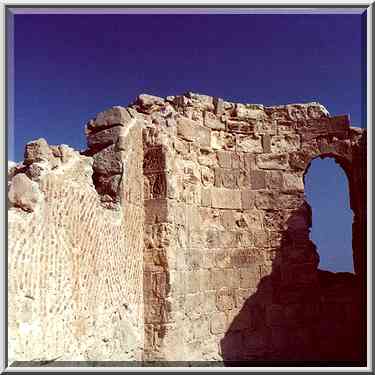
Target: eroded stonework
{"x":182,"y":234}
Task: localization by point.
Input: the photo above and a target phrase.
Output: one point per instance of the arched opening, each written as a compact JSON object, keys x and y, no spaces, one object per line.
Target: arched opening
{"x":327,"y":192}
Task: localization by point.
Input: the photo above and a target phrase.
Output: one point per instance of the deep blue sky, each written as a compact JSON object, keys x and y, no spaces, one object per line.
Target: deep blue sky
{"x":69,"y":67}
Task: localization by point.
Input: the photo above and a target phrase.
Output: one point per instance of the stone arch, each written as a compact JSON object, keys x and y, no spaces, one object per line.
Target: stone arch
{"x":345,"y":164}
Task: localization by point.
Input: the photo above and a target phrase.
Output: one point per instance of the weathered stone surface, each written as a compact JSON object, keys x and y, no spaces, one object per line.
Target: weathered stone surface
{"x":226,"y":198}
{"x":108,"y":161}
{"x":183,"y":234}
{"x":104,"y":138}
{"x":224,"y":158}
{"x":187,"y":129}
{"x":114,"y":116}
{"x":285,"y":143}
{"x":272,"y":161}
{"x":36,"y":151}
{"x":24,"y":193}
{"x":248,"y":199}
{"x":246,"y":127}
{"x":251,"y":144}
{"x":258,"y":180}
{"x":212,"y":122}
{"x":146,"y":100}
{"x":219,"y":106}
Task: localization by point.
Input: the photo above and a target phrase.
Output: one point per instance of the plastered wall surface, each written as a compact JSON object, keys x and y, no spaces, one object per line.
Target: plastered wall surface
{"x":182,"y":234}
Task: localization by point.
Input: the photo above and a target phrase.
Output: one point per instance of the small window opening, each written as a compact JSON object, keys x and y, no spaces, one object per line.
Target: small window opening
{"x":327,"y":192}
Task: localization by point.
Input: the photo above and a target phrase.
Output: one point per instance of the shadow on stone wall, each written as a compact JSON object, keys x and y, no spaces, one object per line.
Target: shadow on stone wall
{"x":299,"y":315}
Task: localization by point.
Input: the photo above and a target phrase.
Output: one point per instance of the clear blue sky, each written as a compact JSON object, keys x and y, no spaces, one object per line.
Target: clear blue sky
{"x":69,"y":67}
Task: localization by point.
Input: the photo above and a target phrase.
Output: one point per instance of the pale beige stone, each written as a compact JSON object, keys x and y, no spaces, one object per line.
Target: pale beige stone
{"x":24,"y":193}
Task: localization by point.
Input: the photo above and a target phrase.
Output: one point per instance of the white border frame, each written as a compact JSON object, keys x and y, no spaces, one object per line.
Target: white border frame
{"x":150,"y":3}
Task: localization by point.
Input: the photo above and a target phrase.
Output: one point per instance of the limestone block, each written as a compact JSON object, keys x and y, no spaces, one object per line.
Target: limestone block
{"x":204,"y":102}
{"x":212,"y":121}
{"x":238,"y":160}
{"x":36,"y":151}
{"x":244,"y":238}
{"x":204,"y":138}
{"x":247,"y":199}
{"x":297,"y":112}
{"x":214,"y":238}
{"x":154,"y":160}
{"x":299,"y":160}
{"x":257,"y":179}
{"x":285,"y":143}
{"x":226,"y":178}
{"x":267,"y":126}
{"x":249,"y":161}
{"x":261,"y":238}
{"x":316,"y":111}
{"x":193,"y":114}
{"x":222,"y":258}
{"x":226,"y":198}
{"x":208,"y":176}
{"x":156,"y":211}
{"x":37,"y":169}
{"x":268,"y":200}
{"x":245,"y":127}
{"x":222,"y":140}
{"x":244,"y":257}
{"x":278,"y":113}
{"x":208,"y":160}
{"x":225,"y":299}
{"x":266,"y":143}
{"x":104,"y":138}
{"x":243,"y":178}
{"x":253,"y":219}
{"x":145,"y":100}
{"x":209,"y":299}
{"x":219,"y":106}
{"x":272,"y":161}
{"x":24,"y":193}
{"x":249,"y":276}
{"x":224,"y":158}
{"x":218,"y":279}
{"x":293,"y":182}
{"x":108,"y":161}
{"x":339,"y":125}
{"x":181,"y":147}
{"x":314,"y":128}
{"x":253,"y":112}
{"x":116,"y":115}
{"x":274,"y":180}
{"x":218,"y":323}
{"x":187,"y":129}
{"x":252,"y":143}
{"x":193,"y":305}
{"x":107,"y":185}
{"x":193,"y":281}
{"x":206,"y":197}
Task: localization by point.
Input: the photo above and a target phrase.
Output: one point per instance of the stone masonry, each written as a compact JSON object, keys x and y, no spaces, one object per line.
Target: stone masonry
{"x":182,"y":234}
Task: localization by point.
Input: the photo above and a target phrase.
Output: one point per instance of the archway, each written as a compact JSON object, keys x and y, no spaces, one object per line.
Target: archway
{"x":327,"y":192}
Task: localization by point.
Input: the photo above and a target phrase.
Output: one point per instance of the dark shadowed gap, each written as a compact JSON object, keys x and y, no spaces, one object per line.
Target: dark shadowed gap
{"x":327,"y":192}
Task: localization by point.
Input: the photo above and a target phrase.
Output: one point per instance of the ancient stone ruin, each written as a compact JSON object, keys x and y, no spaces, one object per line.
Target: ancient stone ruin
{"x":182,"y":234}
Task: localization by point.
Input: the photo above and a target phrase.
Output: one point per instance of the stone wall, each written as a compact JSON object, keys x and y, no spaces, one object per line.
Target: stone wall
{"x":76,"y":252}
{"x":207,"y":243}
{"x":237,"y":277}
